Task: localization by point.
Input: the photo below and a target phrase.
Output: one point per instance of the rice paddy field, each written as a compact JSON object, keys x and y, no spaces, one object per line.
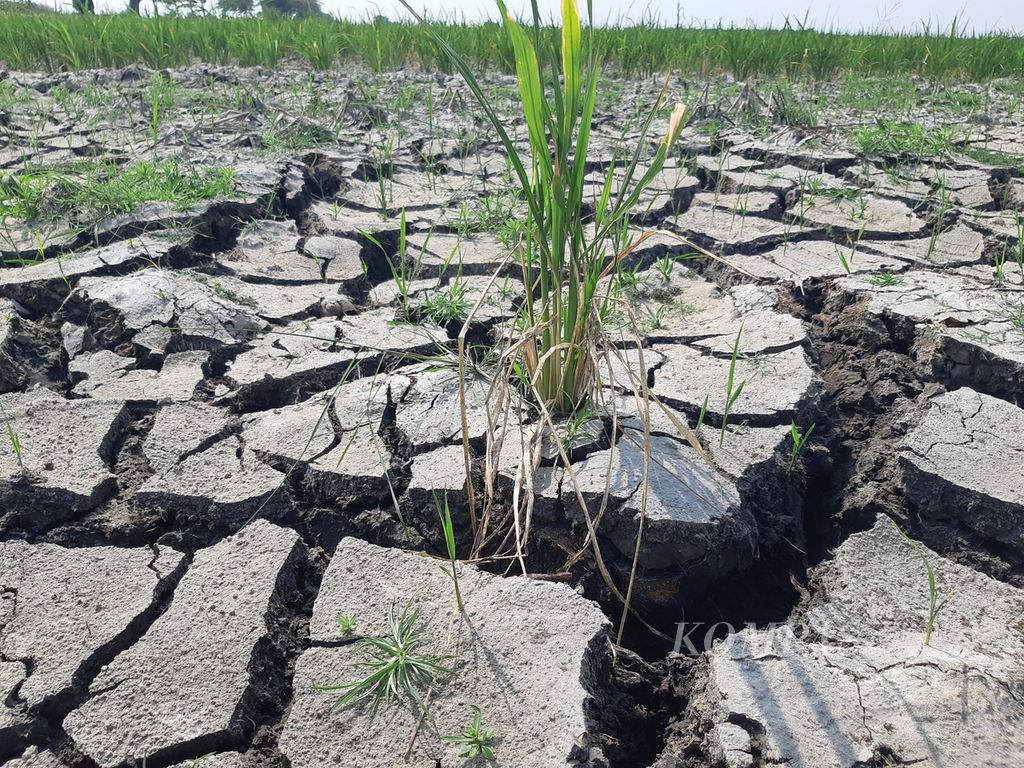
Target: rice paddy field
{"x":58,"y":42}
{"x":360,"y":406}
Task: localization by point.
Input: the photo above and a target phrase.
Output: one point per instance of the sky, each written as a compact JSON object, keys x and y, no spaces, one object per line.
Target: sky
{"x":894,"y":15}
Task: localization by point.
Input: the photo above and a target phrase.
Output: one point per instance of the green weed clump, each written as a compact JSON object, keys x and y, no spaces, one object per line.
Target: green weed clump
{"x":92,"y":191}
{"x":395,"y":667}
{"x":892,"y":138}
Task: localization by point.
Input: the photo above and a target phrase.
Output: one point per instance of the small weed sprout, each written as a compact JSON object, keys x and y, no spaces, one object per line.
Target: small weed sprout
{"x":884,"y":279}
{"x":700,"y":417}
{"x":475,"y":739}
{"x":12,"y":437}
{"x":732,"y":390}
{"x":665,"y":265}
{"x":346,"y":623}
{"x":799,"y":441}
{"x":449,"y":305}
{"x":444,"y":513}
{"x":934,"y":605}
{"x":577,"y":426}
{"x":395,"y":668}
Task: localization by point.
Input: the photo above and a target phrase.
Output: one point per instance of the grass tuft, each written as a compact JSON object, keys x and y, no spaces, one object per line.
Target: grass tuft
{"x":396,"y":669}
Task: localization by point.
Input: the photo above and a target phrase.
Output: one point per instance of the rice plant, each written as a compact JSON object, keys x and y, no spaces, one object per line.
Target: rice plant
{"x":878,"y":63}
{"x":572,"y":242}
{"x":444,"y":513}
{"x":934,"y":605}
{"x":563,"y":256}
{"x":732,"y":389}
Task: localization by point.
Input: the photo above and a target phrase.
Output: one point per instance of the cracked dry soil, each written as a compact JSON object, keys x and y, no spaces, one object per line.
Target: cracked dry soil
{"x":221,"y":439}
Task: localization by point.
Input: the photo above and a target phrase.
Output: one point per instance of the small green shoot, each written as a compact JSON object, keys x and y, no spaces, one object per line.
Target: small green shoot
{"x":665,"y":265}
{"x":732,"y":390}
{"x":885,"y":279}
{"x":799,"y":441}
{"x":12,"y":436}
{"x":934,"y":606}
{"x":475,"y":739}
{"x":346,"y":623}
{"x":444,"y":513}
{"x":703,"y":413}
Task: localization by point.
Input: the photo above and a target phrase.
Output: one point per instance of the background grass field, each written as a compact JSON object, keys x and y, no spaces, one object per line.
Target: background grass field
{"x":53,"y":42}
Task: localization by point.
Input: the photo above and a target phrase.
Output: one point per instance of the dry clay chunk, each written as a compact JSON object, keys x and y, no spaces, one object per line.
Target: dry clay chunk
{"x":524,"y":651}
{"x":187,"y":684}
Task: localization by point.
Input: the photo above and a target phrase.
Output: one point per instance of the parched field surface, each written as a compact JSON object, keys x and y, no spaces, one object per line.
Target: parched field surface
{"x":229,"y":306}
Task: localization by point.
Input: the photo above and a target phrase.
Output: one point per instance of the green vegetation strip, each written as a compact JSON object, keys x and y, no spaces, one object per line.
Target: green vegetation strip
{"x":53,"y":42}
{"x":94,"y":190}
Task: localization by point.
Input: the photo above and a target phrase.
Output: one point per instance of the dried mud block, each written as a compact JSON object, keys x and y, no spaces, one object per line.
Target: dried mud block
{"x":104,"y":375}
{"x":966,"y":327}
{"x":188,"y":684}
{"x":527,"y":652}
{"x":66,"y":609}
{"x":851,"y":682}
{"x":777,"y":386}
{"x":798,"y":263}
{"x":46,"y":284}
{"x":64,"y":466}
{"x":962,"y":466}
{"x":331,"y":439}
{"x":151,"y":307}
{"x":953,"y":247}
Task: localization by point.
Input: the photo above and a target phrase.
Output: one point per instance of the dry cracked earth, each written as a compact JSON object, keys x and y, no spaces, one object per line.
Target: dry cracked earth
{"x":227,"y":422}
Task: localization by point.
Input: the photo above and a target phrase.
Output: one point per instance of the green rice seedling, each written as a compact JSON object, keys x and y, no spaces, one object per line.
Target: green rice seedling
{"x":163,"y":96}
{"x":346,"y":623}
{"x":665,"y":265}
{"x":701,"y":415}
{"x":1000,"y":263}
{"x":732,"y":389}
{"x":934,"y":605}
{"x":885,"y":279}
{"x":385,"y":169}
{"x":945,"y":204}
{"x":403,"y":269}
{"x":799,"y":441}
{"x":475,"y":739}
{"x":15,"y":442}
{"x":847,"y":261}
{"x":396,"y":669}
{"x":1018,"y":247}
{"x":444,"y":513}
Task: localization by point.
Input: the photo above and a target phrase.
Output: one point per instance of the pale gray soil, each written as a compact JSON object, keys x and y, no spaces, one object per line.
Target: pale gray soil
{"x":225,"y":423}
